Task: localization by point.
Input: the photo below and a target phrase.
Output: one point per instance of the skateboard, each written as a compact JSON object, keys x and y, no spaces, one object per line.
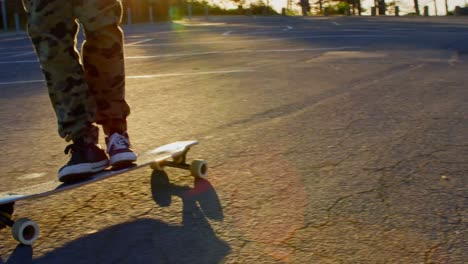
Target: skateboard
{"x":174,"y":155}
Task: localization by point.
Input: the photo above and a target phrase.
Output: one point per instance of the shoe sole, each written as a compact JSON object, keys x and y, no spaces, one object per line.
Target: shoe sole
{"x":123,"y":160}
{"x":81,"y":171}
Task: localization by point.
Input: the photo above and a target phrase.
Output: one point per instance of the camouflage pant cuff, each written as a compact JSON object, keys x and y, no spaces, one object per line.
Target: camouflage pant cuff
{"x":114,"y":126}
{"x":89,"y":135}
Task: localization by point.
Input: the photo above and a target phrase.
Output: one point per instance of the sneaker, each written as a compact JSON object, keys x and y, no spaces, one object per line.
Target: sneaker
{"x":119,"y":150}
{"x":86,"y":159}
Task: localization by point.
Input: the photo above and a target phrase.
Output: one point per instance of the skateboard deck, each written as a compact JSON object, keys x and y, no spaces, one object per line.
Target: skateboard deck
{"x":174,"y":155}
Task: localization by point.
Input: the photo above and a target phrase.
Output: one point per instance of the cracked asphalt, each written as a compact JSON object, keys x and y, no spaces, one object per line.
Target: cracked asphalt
{"x":329,"y":140}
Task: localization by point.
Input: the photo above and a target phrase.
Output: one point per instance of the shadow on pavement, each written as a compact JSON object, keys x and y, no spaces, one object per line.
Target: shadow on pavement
{"x":149,"y":240}
{"x":22,"y":254}
{"x":202,"y":197}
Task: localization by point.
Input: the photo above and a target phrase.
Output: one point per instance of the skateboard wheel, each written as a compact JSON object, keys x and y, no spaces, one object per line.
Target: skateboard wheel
{"x":199,"y":168}
{"x":25,"y":231}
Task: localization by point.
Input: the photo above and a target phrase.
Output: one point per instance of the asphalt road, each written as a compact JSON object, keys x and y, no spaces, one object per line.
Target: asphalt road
{"x":330,"y":140}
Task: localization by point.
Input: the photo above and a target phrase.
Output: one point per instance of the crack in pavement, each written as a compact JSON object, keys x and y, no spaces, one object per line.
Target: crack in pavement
{"x":59,"y":223}
{"x":297,"y":107}
{"x":429,"y":253}
{"x":397,"y":163}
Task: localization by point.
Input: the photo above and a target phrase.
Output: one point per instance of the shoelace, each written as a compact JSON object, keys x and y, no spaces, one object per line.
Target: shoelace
{"x":117,"y":140}
{"x":69,"y":148}
{"x":74,"y":148}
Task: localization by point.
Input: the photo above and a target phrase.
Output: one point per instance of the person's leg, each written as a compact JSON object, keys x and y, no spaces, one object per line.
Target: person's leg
{"x":103,"y":60}
{"x":52,"y":28}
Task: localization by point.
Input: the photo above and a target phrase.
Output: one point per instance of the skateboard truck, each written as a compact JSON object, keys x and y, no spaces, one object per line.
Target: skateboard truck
{"x":23,"y":230}
{"x":198,"y":168}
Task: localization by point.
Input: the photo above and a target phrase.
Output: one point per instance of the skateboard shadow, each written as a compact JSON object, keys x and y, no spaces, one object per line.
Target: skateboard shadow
{"x":149,"y":240}
{"x":22,"y":255}
{"x":202,"y":197}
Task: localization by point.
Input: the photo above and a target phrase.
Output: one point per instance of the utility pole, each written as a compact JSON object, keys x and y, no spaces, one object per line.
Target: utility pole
{"x":416,"y":7}
{"x":4,"y":15}
{"x":382,"y":7}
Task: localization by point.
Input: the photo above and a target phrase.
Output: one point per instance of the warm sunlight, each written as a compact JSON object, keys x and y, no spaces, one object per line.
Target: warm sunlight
{"x":405,"y":5}
{"x":276,"y":4}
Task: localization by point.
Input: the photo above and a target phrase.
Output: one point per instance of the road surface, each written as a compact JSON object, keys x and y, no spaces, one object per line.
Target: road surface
{"x":329,"y":139}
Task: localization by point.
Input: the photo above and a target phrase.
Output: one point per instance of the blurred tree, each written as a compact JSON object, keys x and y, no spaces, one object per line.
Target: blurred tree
{"x":342,"y":6}
{"x":338,"y":8}
{"x":305,"y":7}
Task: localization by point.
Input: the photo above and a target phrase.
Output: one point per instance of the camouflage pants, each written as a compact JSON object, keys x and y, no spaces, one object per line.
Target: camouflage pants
{"x":84,"y":89}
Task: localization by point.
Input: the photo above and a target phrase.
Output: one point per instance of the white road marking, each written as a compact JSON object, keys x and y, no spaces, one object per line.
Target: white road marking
{"x":172,"y":55}
{"x":21,"y":82}
{"x":336,"y":23}
{"x":22,"y":54}
{"x":230,"y":42}
{"x":24,"y":61}
{"x":238,"y":52}
{"x":139,"y":42}
{"x":186,"y":74}
{"x":14,"y":37}
{"x":6,"y":53}
{"x":207,"y":53}
{"x":309,"y":49}
{"x":273,"y":39}
{"x":227,"y":33}
{"x":17,"y":47}
{"x":149,"y":76}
